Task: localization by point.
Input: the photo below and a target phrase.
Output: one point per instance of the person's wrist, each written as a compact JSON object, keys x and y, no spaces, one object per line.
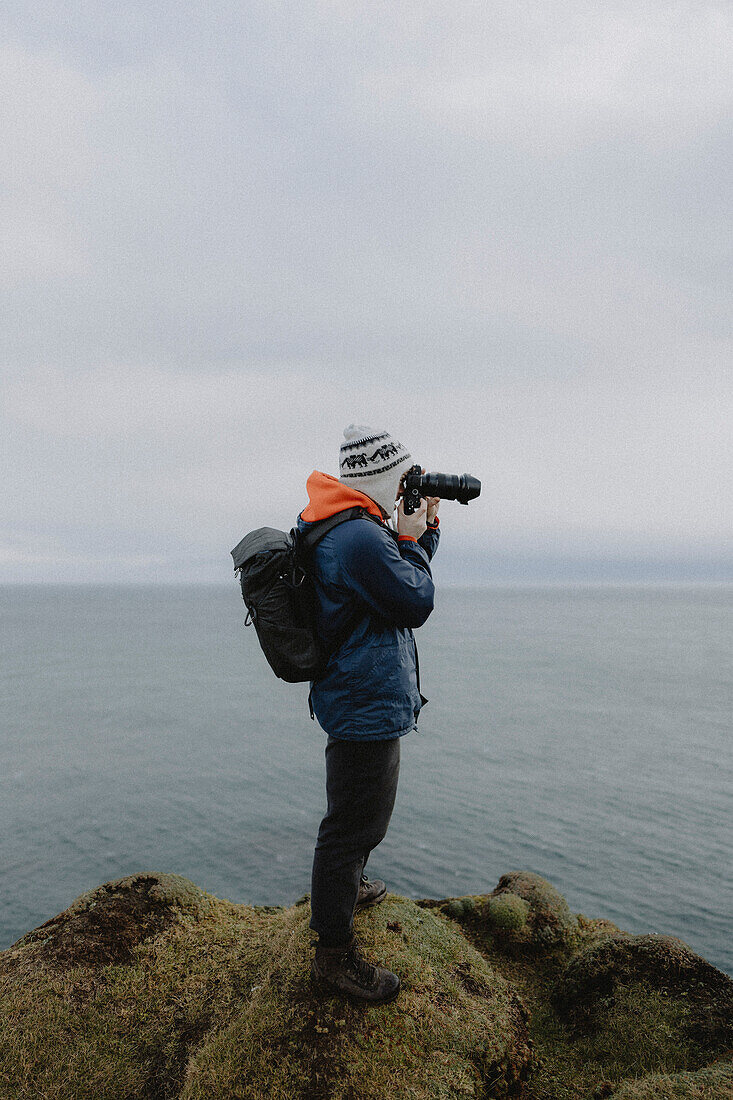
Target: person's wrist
{"x":413,"y":531}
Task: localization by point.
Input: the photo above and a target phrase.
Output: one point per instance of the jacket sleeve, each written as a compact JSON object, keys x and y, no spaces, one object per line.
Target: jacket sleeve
{"x":429,"y":540}
{"x":394,"y":579}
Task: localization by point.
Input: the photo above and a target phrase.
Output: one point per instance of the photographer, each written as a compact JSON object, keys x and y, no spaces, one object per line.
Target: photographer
{"x":373,"y":587}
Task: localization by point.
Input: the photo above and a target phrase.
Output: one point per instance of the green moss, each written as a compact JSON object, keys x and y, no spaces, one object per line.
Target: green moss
{"x":507,"y":912}
{"x":104,"y":924}
{"x":220,"y":1004}
{"x":549,"y":920}
{"x":466,"y":908}
{"x":710,"y":1083}
{"x":661,"y":964}
{"x":454,"y":1025}
{"x":150,"y":988}
{"x":163,"y":889}
{"x":89,"y":1031}
{"x":640,"y":1035}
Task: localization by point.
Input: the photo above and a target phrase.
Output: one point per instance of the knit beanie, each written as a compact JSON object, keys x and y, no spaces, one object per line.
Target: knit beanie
{"x":373,"y":462}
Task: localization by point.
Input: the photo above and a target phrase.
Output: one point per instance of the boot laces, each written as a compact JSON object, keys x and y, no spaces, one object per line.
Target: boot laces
{"x":366,"y":973}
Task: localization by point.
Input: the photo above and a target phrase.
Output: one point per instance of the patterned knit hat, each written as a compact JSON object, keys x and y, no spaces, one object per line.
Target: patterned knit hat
{"x":373,"y":463}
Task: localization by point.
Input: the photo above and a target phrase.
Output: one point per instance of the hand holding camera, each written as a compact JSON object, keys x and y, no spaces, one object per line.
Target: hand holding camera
{"x":413,"y":524}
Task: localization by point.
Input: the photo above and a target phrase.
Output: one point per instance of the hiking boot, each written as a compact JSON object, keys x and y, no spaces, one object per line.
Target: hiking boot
{"x":344,"y":970}
{"x":370,"y":893}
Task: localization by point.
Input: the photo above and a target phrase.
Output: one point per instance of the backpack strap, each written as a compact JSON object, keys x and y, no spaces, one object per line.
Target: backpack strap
{"x":305,"y":541}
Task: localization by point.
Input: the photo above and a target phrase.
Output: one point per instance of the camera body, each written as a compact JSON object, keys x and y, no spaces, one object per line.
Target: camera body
{"x":460,"y":487}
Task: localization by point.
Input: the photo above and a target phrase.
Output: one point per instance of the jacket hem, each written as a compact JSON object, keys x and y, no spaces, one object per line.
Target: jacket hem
{"x":370,"y":736}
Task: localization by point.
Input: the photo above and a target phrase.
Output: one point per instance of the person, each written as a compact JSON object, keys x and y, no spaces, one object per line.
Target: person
{"x":373,"y":587}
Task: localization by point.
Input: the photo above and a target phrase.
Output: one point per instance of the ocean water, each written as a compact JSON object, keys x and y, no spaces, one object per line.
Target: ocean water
{"x":579,"y":732}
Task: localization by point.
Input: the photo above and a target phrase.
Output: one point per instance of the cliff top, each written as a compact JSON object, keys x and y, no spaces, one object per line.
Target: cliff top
{"x":150,"y":988}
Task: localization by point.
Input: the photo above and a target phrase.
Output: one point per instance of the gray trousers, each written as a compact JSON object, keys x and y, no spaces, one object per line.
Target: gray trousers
{"x":361,"y":785}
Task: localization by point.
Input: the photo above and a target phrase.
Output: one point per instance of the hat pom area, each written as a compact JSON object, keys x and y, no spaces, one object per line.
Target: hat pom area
{"x":357,"y":431}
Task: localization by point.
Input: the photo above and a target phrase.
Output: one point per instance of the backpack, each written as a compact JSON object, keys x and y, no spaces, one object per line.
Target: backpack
{"x":280,"y":598}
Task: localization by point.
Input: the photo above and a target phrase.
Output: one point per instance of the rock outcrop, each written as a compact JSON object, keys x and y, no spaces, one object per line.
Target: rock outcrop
{"x":106,"y":924}
{"x":150,"y":988}
{"x":523,"y":914}
{"x":662,"y":964}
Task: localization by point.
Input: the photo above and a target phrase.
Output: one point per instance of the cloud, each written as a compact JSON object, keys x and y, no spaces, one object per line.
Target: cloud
{"x":500,"y":231}
{"x":554,"y":79}
{"x":45,"y":107}
{"x":308,"y":194}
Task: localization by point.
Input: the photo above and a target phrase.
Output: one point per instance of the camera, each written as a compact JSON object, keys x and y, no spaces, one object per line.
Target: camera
{"x":460,"y":487}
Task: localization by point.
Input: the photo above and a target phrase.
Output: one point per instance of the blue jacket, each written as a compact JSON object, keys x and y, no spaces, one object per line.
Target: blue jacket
{"x":372,"y":589}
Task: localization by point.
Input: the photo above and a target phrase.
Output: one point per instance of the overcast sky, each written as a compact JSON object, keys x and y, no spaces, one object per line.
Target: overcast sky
{"x":499,"y":230}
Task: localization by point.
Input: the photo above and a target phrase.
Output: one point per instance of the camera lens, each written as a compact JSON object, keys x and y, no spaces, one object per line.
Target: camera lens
{"x":460,"y":487}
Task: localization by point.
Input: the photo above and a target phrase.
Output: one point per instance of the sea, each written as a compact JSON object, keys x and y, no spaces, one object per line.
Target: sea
{"x":579,"y":732}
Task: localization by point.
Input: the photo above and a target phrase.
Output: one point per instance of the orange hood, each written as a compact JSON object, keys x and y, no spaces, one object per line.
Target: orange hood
{"x":327,"y":495}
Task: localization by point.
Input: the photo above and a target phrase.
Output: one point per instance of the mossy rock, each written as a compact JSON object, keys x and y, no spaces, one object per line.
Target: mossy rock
{"x":524,"y":912}
{"x":662,"y":964}
{"x":458,"y":909}
{"x":642,"y":1035}
{"x":507,"y":912}
{"x":219,"y":1004}
{"x":455,"y":1028}
{"x":149,"y":988}
{"x":104,"y":925}
{"x":548,"y":922}
{"x":713,"y":1082}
